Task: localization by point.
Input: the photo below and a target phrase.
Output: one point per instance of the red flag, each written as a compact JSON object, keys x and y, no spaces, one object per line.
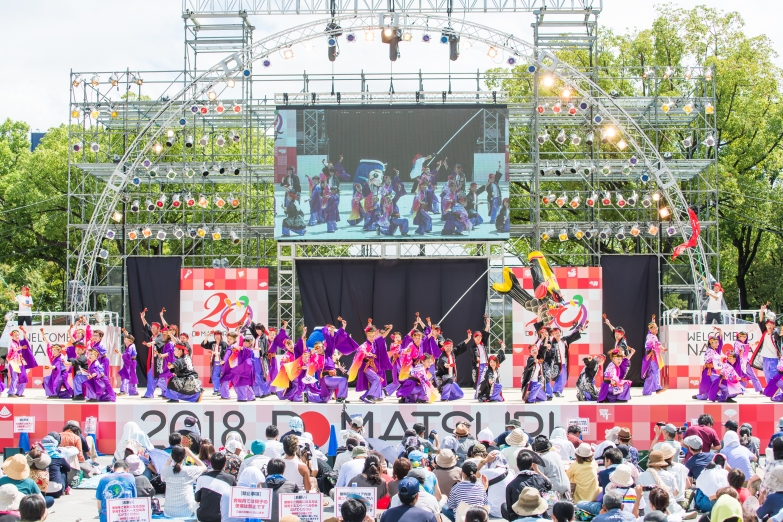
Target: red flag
{"x":696,"y":227}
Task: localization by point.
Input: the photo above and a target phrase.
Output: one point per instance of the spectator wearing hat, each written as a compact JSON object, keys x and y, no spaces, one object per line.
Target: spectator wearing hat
{"x":408,"y":512}
{"x":510,"y":426}
{"x":680,"y":474}
{"x":773,"y":502}
{"x":559,"y":440}
{"x":765,"y":356}
{"x":353,"y":467}
{"x":419,"y":461}
{"x":516,"y":440}
{"x":658,"y":476}
{"x":10,"y":497}
{"x":136,"y":468}
{"x":704,"y":430}
{"x":624,"y":437}
{"x":446,"y":470}
{"x":472,"y":490}
{"x":477,"y":453}
{"x":487,"y":439}
{"x":257,"y":457}
{"x":530,"y":505}
{"x":464,"y":441}
{"x":737,"y":456}
{"x":528,"y":476}
{"x":699,"y":459}
{"x":553,"y":465}
{"x":574,"y":434}
{"x":59,"y":466}
{"x":426,"y":500}
{"x":583,"y":475}
{"x":232,"y":451}
{"x":356,"y":430}
{"x":17,"y":472}
{"x":498,"y":476}
{"x":726,"y":509}
{"x":669,"y":433}
{"x":612,"y":509}
{"x":620,"y":480}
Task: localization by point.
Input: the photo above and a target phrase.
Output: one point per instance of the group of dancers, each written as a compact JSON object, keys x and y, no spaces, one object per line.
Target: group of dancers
{"x":374,"y":204}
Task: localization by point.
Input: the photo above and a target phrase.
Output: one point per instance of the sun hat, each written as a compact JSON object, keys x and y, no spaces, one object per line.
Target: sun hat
{"x":479,"y":448}
{"x":530,"y":503}
{"x":416,"y":457}
{"x":622,"y":476}
{"x":408,"y":487}
{"x":42,"y":462}
{"x":135,"y":465}
{"x":541,"y":444}
{"x":517,"y":437}
{"x":774,"y":479}
{"x":462,"y":428}
{"x":485,"y":435}
{"x":537,"y":460}
{"x":233,"y":445}
{"x":16,"y":467}
{"x":624,"y":434}
{"x":656,"y":459}
{"x":668,"y":451}
{"x":446,"y":459}
{"x":359,"y":451}
{"x":692,"y":441}
{"x":10,"y":497}
{"x":584,"y":450}
{"x":418,"y":473}
{"x":296,"y":424}
{"x":514,"y":423}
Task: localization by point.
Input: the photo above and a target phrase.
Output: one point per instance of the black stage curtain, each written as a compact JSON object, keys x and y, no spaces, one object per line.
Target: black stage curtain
{"x":153,"y":282}
{"x":630,"y":299}
{"x":391,"y":292}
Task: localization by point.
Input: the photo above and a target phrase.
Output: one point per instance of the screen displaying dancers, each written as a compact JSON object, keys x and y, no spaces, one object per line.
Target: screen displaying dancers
{"x":390,"y":174}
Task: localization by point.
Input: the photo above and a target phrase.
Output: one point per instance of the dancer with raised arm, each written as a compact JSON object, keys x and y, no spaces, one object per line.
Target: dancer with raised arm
{"x":417,"y":386}
{"x":20,"y":359}
{"x":238,"y":368}
{"x":216,"y":347}
{"x":615,"y":388}
{"x":56,"y":384}
{"x":336,"y":342}
{"x":742,"y":352}
{"x":533,"y":377}
{"x":98,"y":386}
{"x":446,"y":374}
{"x":475,"y":343}
{"x":184,"y":384}
{"x":768,"y":350}
{"x":127,"y":373}
{"x":653,"y":360}
{"x":710,"y":375}
{"x":365,"y":368}
{"x":154,"y":346}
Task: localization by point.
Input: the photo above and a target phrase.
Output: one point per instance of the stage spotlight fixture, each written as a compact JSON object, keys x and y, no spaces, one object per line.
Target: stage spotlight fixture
{"x":192,"y":232}
{"x":590,"y":138}
{"x":626,"y":169}
{"x":622,"y":144}
{"x":635,"y":230}
{"x":574,"y":168}
{"x":512,"y":61}
{"x":204,"y":170}
{"x":543,"y":137}
{"x":652,"y":229}
{"x":161,"y":235}
{"x":597,"y":119}
{"x":103,"y":253}
{"x":190,"y":200}
{"x":664,"y":212}
{"x":542,"y":170}
{"x":188,"y":172}
{"x":230,"y":83}
{"x":709,"y":109}
{"x":606,"y":169}
{"x":203,"y":202}
{"x":157,"y":148}
{"x":548,"y":80}
{"x":94,"y":113}
{"x":388,"y":32}
{"x":216,"y":235}
{"x":575,"y":202}
{"x":201,"y":231}
{"x":620,"y":234}
{"x":391,"y":36}
{"x":606,"y":200}
{"x":648,"y":73}
{"x":233,"y":136}
{"x":350,"y":37}
{"x":548,"y":198}
{"x":236,"y":108}
{"x":591,"y":233}
{"x":133,"y":234}
{"x":220,"y":108}
{"x":75,"y":113}
{"x":645,"y":177}
{"x":656,"y":196}
{"x":561,"y":136}
{"x":150,"y":205}
{"x":146,"y":163}
{"x":572,"y":110}
{"x":110,"y":234}
{"x":492,"y":52}
{"x":605,"y":233}
{"x":671,"y":230}
{"x":114,"y":113}
{"x":220,"y":140}
{"x":95,"y":147}
{"x":575,"y":139}
{"x":667,"y":73}
{"x":607,"y":135}
{"x":235,"y":239}
{"x":591,"y":200}
{"x":566,"y":93}
{"x":146,"y":232}
{"x":708,"y":74}
{"x":77,"y":80}
{"x":620,"y":200}
{"x":688,"y":74}
{"x":203,"y":110}
{"x":195,"y":109}
{"x":189,"y":142}
{"x":633,"y":199}
{"x":171,"y":174}
{"x":426,"y":38}
{"x":288,"y":53}
{"x":666,"y":106}
{"x":557,"y":108}
{"x":203,"y":140}
{"x":561,"y":200}
{"x":588,"y":169}
{"x":175,"y":201}
{"x":171,"y":137}
{"x":407,"y":36}
{"x":578,"y":232}
{"x":220,"y":168}
{"x":688,"y":107}
{"x":687,"y":142}
{"x":266,"y":62}
{"x":667,"y":156}
{"x":633,"y":160}
{"x":646,"y":202}
{"x":541,"y":109}
{"x":236,"y":170}
{"x":369,"y":36}
{"x":178,"y":233}
{"x":454,"y":49}
{"x":710,"y":140}
{"x":137,"y":79}
{"x":153,"y":172}
{"x":531,"y":68}
{"x":219,"y":201}
{"x":563,"y":235}
{"x":134,"y":205}
{"x":117,"y":216}
{"x":559,"y":169}
{"x":546,"y":235}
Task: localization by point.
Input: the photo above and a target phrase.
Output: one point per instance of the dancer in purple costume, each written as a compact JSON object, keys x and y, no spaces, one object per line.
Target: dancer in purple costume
{"x":127,"y":373}
{"x":490,"y":389}
{"x":275,"y":343}
{"x":774,"y":388}
{"x":56,"y":383}
{"x":98,"y":386}
{"x":217,"y":351}
{"x":374,"y":361}
{"x":336,"y":343}
{"x":20,"y":359}
{"x":614,"y":387}
{"x":742,"y":352}
{"x":728,"y":385}
{"x":316,"y":199}
{"x":96,"y":341}
{"x":238,"y":369}
{"x":446,"y":374}
{"x":184,"y":384}
{"x":653,"y":360}
{"x":331,"y":210}
{"x":406,"y":353}
{"x":533,"y":377}
{"x":768,"y":350}
{"x":260,"y":362}
{"x":712,"y":362}
{"x":432,"y":338}
{"x":293,"y":392}
{"x":417,"y":387}
{"x":79,"y":364}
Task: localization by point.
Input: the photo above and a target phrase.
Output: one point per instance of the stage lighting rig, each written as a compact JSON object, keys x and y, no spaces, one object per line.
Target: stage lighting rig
{"x":333,"y":50}
{"x":391,"y":36}
{"x":449,"y":36}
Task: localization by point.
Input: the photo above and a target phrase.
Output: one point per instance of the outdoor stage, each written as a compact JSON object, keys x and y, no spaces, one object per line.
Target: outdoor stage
{"x":386,"y":420}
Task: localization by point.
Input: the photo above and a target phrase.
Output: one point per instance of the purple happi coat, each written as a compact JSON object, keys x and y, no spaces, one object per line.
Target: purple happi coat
{"x":238,"y":366}
{"x":22,"y":352}
{"x":99,"y":386}
{"x":128,"y":370}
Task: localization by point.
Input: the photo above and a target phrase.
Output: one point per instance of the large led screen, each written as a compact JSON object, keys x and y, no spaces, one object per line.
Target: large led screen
{"x":391,"y":173}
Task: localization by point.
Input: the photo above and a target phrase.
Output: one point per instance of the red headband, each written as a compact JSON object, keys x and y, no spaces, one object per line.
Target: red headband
{"x":271,"y":330}
{"x":186,"y":335}
{"x":156,"y":324}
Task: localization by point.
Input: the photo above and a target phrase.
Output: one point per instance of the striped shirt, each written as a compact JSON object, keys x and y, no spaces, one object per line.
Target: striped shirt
{"x":468,"y":492}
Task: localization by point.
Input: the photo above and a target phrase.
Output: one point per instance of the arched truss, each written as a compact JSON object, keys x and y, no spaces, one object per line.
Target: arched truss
{"x":239,"y":65}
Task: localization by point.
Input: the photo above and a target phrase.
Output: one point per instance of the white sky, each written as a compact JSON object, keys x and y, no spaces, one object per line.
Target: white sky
{"x":43,"y":40}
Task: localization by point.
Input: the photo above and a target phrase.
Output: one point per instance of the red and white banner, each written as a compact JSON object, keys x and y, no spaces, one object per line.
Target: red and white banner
{"x":220,"y":299}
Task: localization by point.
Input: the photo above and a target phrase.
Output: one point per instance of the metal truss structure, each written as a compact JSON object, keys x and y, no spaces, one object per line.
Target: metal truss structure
{"x":142,"y":140}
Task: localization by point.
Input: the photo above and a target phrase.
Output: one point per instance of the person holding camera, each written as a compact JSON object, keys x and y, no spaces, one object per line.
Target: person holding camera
{"x":669,"y":434}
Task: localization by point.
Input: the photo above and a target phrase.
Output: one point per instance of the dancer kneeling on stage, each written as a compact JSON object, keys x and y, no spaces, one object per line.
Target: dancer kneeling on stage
{"x":238,"y":369}
{"x":712,"y":364}
{"x":490,"y":389}
{"x":533,"y":377}
{"x":446,"y":374}
{"x":185,"y":384}
{"x":98,"y":386}
{"x":615,"y":388}
{"x":728,"y":384}
{"x":653,"y":360}
{"x":585,"y":383}
{"x":56,"y":383}
{"x":417,"y":387}
{"x":128,"y":371}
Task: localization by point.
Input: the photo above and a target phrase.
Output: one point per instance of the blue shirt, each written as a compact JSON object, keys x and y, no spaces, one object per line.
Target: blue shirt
{"x":26,"y":486}
{"x":114,"y":485}
{"x":697,"y":463}
{"x":771,"y":506}
{"x":407,"y":514}
{"x":603,"y":476}
{"x":775,"y":436}
{"x":615,"y":515}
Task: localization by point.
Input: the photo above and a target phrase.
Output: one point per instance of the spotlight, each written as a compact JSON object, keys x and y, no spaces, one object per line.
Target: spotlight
{"x":407,"y":36}
{"x":203,"y":140}
{"x":575,"y":139}
{"x":656,"y":196}
{"x":134,"y":205}
{"x":633,"y":199}
{"x":171,"y":137}
{"x":561,"y":200}
{"x":588,"y":169}
{"x":171,"y":174}
{"x":710,"y":140}
{"x":219,"y":168}
{"x":219,"y":201}
{"x":561,"y":137}
{"x":709,"y":109}
{"x":575,"y":202}
{"x":233,"y":200}
{"x":605,"y":233}
{"x":189,"y":142}
{"x":211,"y":95}
{"x":566,"y":92}
{"x":667,"y":155}
{"x":157,"y":148}
{"x":175,"y":201}
{"x":541,"y":109}
{"x":75,"y":113}
{"x":178,"y":233}
{"x":607,"y":134}
{"x":563,"y":235}
{"x":110,"y":234}
{"x":369,"y":36}
{"x":230,"y":83}
{"x":626,"y":169}
{"x":592,"y":199}
{"x":598,"y":119}
{"x":667,"y":73}
{"x":572,"y":110}
{"x":444,"y":38}
{"x":192,"y":232}
{"x":557,"y":108}
{"x":531,"y":68}
{"x":77,"y":147}
{"x":548,"y":198}
{"x":220,"y":140}
{"x":559,"y":169}
{"x":543,"y":137}
{"x":688,"y":107}
{"x":542,"y":170}
{"x":620,"y":200}
{"x":195,"y":109}
{"x":646,"y":203}
{"x":94,"y":113}
{"x":664,"y":212}
{"x":633,"y":160}
{"x":591,"y":233}
{"x":670,"y":230}
{"x":204,"y":170}
{"x":234,"y":238}
{"x":652,"y":229}
{"x":114,"y":113}
{"x":236,"y":108}
{"x":350,"y":37}
{"x":150,"y":205}
{"x":574,"y":168}
{"x":203,"y":110}
{"x":492,"y":53}
{"x":578,"y":232}
{"x":188,"y":172}
{"x":590,"y":138}
{"x":233,"y":136}
{"x":622,"y":144}
{"x":146,"y":232}
{"x":190,"y":200}
{"x":161,"y":235}
{"x":103,"y":253}
{"x":606,"y":200}
{"x":388,"y":32}
{"x":288,"y":53}
{"x":216,"y":235}
{"x":153,"y":172}
{"x":201,"y":231}
{"x":687,"y":142}
{"x":548,"y":80}
{"x":117,"y":216}
{"x":583,"y":105}
{"x":635,"y":230}
{"x":136,"y":79}
{"x":549,"y":170}
{"x":266,"y":62}
{"x":606,"y":169}
{"x":666,"y":106}
{"x":426,"y":38}
{"x":133,"y":234}
{"x":236,"y":170}
{"x":220,"y":108}
{"x":645,"y":177}
{"x":203,"y":202}
{"x":620,"y":234}
{"x":511,"y":61}
{"x":546,"y":235}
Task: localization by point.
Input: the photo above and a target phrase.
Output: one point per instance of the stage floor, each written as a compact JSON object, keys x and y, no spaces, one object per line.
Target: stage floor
{"x":669,"y":397}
